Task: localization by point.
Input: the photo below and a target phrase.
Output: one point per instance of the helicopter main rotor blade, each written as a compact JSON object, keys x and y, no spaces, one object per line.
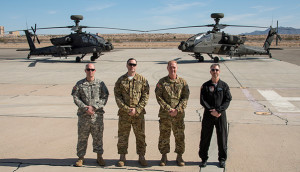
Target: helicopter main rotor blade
{"x":242,"y":26}
{"x":134,"y":30}
{"x":179,"y":28}
{"x":219,"y":26}
{"x":62,"y":27}
{"x":58,"y":27}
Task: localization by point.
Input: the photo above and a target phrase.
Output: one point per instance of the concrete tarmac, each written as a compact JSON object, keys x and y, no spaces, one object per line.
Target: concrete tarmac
{"x":39,"y":123}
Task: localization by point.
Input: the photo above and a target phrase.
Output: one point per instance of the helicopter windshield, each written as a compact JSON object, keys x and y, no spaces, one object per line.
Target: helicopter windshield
{"x":203,"y":38}
{"x":99,"y":38}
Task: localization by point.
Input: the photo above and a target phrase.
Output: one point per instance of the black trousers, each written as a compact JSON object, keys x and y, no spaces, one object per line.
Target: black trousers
{"x":208,"y":124}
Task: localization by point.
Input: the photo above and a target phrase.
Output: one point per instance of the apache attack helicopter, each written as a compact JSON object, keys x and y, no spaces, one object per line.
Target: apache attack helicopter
{"x":76,"y":43}
{"x":216,"y":42}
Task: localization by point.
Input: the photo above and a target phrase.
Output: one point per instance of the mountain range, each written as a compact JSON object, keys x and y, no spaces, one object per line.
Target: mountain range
{"x":281,"y":30}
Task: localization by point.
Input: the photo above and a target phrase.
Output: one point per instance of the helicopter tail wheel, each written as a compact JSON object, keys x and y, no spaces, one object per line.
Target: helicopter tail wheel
{"x":216,"y":59}
{"x":78,"y":59}
{"x":270,"y":55}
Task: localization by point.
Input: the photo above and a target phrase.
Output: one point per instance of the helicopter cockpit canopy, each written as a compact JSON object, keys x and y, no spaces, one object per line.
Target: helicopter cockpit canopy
{"x":203,"y":38}
{"x":99,"y":38}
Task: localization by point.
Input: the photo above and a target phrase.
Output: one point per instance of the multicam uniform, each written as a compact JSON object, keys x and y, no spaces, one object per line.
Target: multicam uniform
{"x":94,"y":94}
{"x":131,"y":93}
{"x":171,"y":93}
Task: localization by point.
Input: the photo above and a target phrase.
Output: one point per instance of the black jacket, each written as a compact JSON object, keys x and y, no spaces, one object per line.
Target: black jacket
{"x":215,"y":97}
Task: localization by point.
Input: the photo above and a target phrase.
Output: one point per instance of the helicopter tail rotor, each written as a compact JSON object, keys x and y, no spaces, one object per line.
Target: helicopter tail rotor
{"x":273,"y":32}
{"x":34,"y":34}
{"x":278,"y":37}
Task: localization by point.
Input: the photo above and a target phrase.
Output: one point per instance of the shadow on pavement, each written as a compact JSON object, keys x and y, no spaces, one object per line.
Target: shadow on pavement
{"x":89,"y":162}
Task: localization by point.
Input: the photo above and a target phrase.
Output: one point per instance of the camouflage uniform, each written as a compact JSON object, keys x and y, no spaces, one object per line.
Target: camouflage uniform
{"x":94,"y":94}
{"x":171,"y":93}
{"x":132,"y":93}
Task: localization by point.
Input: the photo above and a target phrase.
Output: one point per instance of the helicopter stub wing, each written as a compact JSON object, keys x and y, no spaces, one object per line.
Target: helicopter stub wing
{"x":208,"y":49}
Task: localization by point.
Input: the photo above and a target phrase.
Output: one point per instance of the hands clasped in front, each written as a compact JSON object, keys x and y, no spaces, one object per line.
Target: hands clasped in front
{"x":215,"y":113}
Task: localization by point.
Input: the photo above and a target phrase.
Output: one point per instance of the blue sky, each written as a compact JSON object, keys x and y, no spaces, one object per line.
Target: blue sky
{"x":147,"y":14}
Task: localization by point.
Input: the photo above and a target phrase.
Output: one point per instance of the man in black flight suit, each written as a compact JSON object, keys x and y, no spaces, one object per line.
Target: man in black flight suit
{"x":215,"y":98}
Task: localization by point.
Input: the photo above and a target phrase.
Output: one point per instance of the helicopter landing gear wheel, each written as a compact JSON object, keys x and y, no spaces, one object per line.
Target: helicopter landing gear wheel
{"x":216,"y":59}
{"x":93,"y":58}
{"x":78,"y":59}
{"x":28,"y":57}
{"x":270,"y":55}
{"x":200,"y":59}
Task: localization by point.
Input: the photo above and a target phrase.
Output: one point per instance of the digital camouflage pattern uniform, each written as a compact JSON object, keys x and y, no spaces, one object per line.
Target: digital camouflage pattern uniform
{"x":132,"y":93}
{"x":171,"y":93}
{"x":94,"y":94}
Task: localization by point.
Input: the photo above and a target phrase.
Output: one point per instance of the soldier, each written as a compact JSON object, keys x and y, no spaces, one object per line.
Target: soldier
{"x":172,"y":94}
{"x":131,"y":94}
{"x":215,"y":98}
{"x":90,"y":95}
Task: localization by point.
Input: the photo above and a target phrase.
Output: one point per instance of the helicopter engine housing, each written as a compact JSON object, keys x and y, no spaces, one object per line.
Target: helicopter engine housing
{"x":231,"y":39}
{"x":61,"y":41}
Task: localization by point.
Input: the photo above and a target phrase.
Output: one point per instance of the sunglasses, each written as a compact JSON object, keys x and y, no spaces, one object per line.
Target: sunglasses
{"x":90,"y":69}
{"x":131,"y":64}
{"x":214,"y":70}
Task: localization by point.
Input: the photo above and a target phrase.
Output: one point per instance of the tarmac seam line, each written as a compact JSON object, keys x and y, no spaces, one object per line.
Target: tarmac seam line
{"x":259,"y":107}
{"x":20,"y":163}
{"x":232,"y":74}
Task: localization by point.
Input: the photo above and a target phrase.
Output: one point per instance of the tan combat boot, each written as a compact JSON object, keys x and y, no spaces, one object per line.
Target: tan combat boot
{"x":79,"y":162}
{"x":100,"y":159}
{"x":163,"y":160}
{"x":122,"y":160}
{"x":179,"y":160}
{"x":142,"y":160}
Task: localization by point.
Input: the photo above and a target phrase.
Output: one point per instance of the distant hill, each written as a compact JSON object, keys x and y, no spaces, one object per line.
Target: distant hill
{"x":281,"y":30}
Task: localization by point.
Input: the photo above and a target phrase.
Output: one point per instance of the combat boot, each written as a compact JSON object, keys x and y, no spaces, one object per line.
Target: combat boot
{"x":122,"y":160}
{"x":163,"y":160}
{"x":100,"y":159}
{"x":79,"y":162}
{"x":179,"y":160}
{"x":142,"y":160}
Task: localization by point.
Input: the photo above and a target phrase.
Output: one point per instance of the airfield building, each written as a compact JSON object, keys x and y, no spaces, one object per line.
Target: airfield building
{"x":1,"y":30}
{"x":14,"y":33}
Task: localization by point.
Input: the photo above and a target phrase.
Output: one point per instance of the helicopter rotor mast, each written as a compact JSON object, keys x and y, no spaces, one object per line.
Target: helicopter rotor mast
{"x":77,"y":19}
{"x":217,"y":16}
